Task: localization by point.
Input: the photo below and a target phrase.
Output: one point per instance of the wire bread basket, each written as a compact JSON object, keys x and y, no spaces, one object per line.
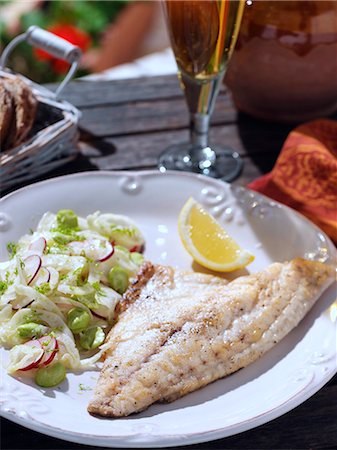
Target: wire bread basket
{"x":52,"y":140}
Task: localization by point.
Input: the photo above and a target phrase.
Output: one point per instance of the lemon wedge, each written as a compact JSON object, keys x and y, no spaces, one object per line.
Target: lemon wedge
{"x":207,"y":242}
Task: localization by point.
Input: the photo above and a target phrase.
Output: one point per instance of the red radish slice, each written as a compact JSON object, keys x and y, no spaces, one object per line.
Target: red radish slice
{"x":109,"y":251}
{"x":54,"y":277}
{"x":99,"y":250}
{"x":43,"y":277}
{"x":38,"y":246}
{"x":50,"y":347}
{"x":17,"y":306}
{"x":34,"y":364}
{"x":32,"y":267}
{"x":137,"y":248}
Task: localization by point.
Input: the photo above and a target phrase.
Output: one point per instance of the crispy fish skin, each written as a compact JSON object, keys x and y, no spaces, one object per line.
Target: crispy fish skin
{"x":178,"y":332}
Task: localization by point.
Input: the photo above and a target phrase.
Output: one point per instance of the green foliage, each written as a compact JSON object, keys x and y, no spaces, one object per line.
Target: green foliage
{"x":91,"y":17}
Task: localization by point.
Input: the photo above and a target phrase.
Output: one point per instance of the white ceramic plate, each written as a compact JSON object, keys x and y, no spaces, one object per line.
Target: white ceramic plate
{"x":287,"y":375}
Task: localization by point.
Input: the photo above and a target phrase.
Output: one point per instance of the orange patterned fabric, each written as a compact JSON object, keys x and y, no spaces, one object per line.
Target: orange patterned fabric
{"x":305,"y":174}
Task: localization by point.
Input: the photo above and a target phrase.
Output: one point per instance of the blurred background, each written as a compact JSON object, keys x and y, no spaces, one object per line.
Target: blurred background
{"x":284,"y":65}
{"x":109,"y":33}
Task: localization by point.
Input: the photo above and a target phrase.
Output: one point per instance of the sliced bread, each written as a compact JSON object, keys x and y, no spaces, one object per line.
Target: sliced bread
{"x":25,"y":105}
{"x":6,"y":113}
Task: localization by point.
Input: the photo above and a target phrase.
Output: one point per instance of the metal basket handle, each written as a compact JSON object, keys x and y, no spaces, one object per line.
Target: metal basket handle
{"x":55,"y":45}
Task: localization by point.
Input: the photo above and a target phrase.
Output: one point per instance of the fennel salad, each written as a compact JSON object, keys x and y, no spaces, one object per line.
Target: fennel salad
{"x":59,"y":290}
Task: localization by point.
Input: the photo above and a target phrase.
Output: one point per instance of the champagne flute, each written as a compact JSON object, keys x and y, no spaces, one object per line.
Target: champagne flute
{"x":203,"y":34}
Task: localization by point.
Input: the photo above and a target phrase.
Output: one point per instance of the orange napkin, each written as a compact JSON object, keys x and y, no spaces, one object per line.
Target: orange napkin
{"x":305,"y":174}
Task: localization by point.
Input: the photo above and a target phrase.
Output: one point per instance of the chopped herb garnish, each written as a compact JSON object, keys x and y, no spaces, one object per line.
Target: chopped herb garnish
{"x":123,"y":230}
{"x":63,"y":276}
{"x":7,"y":281}
{"x":3,"y":287}
{"x":43,"y":288}
{"x":61,"y":239}
{"x":82,"y":387}
{"x":12,"y":249}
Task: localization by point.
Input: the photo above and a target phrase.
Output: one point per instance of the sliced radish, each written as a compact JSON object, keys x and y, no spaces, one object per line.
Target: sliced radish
{"x":54,"y":277}
{"x":137,"y":248}
{"x":99,"y":250}
{"x":38,"y":246}
{"x":32,"y":267}
{"x":38,"y":358}
{"x":43,"y":277}
{"x":50,"y":347}
{"x":21,"y":304}
{"x":109,"y":251}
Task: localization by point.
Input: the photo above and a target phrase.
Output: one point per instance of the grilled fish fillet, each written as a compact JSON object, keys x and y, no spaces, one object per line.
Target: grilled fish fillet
{"x":180,"y":331}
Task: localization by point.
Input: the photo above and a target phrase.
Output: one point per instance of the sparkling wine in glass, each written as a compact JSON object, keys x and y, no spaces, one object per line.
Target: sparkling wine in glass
{"x":203,"y":35}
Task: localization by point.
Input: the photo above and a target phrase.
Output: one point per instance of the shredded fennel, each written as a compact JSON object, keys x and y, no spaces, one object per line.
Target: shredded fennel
{"x":64,"y":264}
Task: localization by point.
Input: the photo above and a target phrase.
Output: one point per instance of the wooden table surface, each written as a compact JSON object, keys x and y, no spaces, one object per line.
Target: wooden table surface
{"x":125,"y":125}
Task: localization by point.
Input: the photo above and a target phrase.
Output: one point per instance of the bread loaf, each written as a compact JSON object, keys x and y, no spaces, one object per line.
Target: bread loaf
{"x":23,"y":111}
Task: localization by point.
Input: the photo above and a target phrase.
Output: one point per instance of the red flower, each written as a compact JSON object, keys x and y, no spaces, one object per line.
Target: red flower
{"x":70,"y":33}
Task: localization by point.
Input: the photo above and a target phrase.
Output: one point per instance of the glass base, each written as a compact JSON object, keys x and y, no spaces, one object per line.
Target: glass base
{"x":222,"y":163}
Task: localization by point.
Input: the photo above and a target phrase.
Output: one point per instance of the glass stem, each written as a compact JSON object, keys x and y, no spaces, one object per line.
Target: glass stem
{"x":199,"y":127}
{"x":200,"y":97}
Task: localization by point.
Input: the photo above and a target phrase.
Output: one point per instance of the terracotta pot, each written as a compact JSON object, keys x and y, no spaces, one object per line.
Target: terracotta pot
{"x":284,"y":66}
